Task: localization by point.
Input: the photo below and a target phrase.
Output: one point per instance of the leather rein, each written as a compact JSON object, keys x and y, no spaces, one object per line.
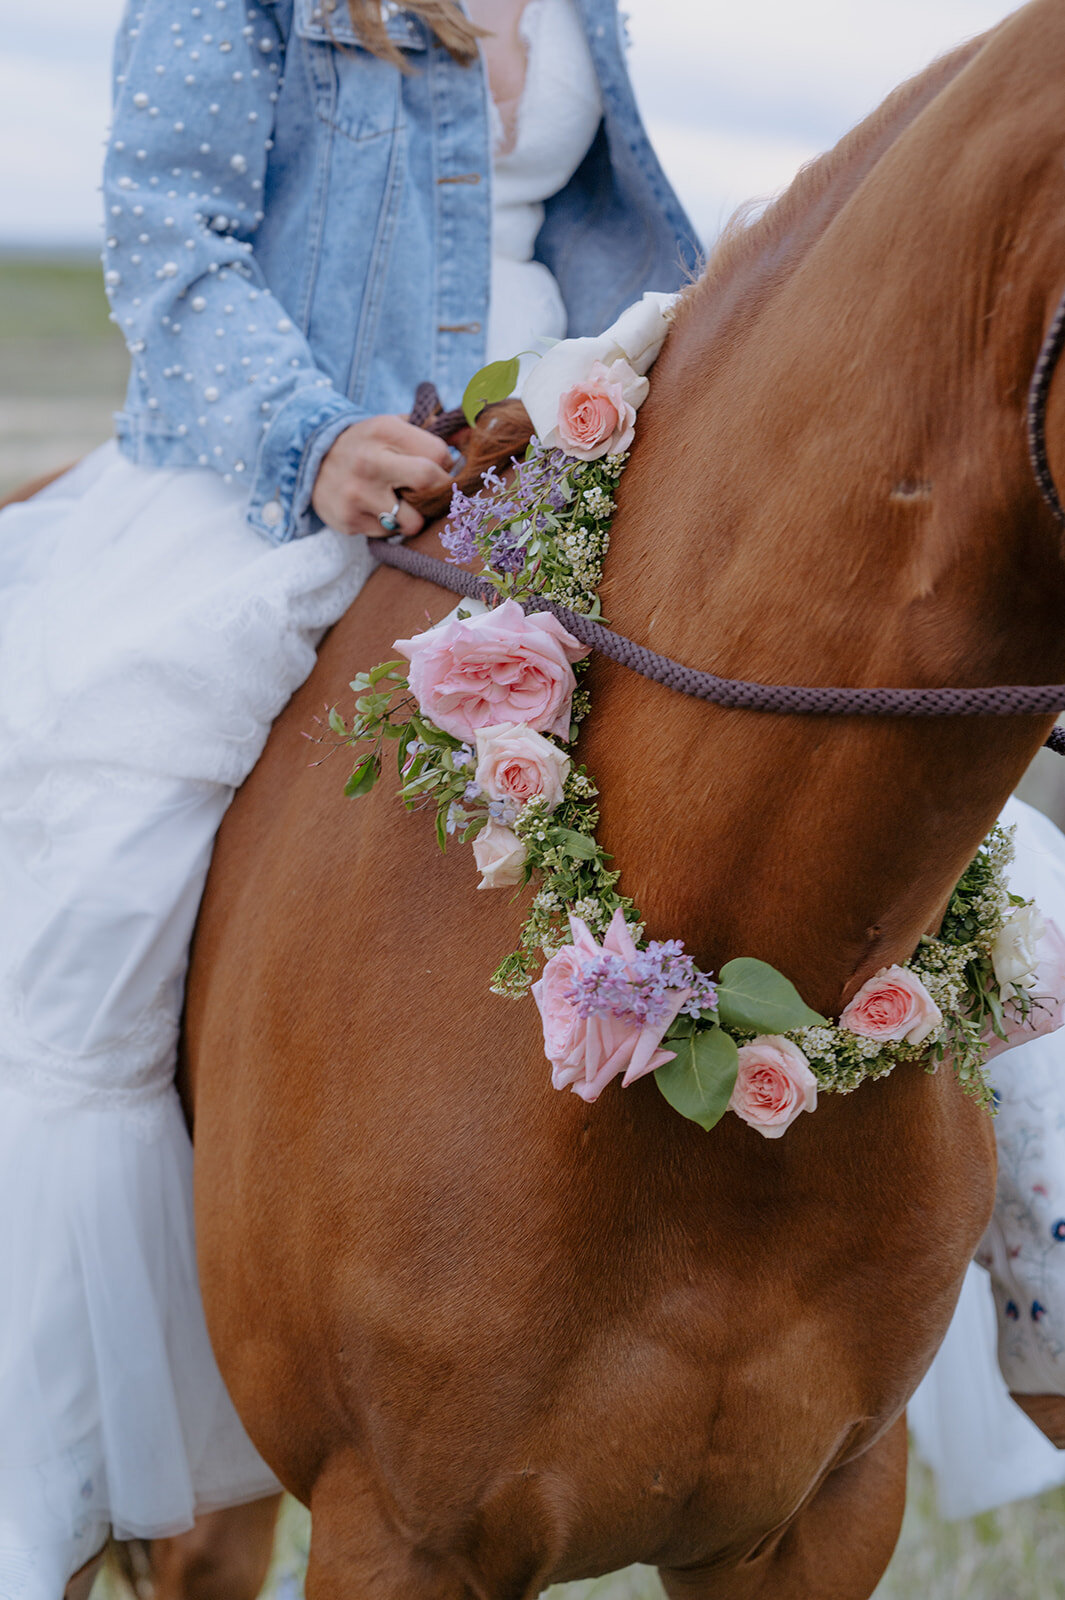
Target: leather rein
{"x":737,"y":694}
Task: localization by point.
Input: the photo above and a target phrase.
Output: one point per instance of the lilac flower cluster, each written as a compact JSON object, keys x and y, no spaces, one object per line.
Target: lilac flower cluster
{"x":486,"y":520}
{"x":641,"y":991}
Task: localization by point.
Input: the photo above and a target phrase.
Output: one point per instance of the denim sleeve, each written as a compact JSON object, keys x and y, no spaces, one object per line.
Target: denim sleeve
{"x":217,"y":358}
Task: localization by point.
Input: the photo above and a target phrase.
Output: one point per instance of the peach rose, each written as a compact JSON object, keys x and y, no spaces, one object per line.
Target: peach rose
{"x":500,"y":857}
{"x":586,"y":1053}
{"x":1047,"y":991}
{"x":894,"y":1005}
{"x":596,"y":417}
{"x":636,"y":338}
{"x":501,"y":666}
{"x":773,"y":1086}
{"x":514,"y":763}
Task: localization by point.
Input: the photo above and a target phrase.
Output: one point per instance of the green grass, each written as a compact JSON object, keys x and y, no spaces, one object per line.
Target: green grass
{"x":63,"y":365}
{"x":53,"y":299}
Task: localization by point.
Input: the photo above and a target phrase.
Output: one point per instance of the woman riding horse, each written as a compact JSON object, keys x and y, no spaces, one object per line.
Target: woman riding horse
{"x":496,"y":1338}
{"x":304,"y":220}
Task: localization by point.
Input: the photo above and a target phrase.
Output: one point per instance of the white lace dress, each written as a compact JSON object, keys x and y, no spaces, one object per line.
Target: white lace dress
{"x":148,"y":637}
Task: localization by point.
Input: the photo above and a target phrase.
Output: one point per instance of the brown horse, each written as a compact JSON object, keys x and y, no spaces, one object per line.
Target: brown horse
{"x":496,"y":1338}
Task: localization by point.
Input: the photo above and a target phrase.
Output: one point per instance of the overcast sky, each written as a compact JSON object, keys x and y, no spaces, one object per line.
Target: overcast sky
{"x":736,"y":93}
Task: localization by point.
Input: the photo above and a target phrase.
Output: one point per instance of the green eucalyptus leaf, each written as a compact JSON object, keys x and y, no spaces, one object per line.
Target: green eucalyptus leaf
{"x":387,"y":669}
{"x":364,"y":777}
{"x":494,"y":382}
{"x":753,"y":997}
{"x":441,"y":828}
{"x":699,"y":1081}
{"x":578,"y":845}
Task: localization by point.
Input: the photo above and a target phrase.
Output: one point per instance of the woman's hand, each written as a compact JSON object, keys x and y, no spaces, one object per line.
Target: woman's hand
{"x":364,"y":473}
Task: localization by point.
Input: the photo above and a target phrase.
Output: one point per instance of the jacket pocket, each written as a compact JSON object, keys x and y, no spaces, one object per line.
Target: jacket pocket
{"x":354,"y":92}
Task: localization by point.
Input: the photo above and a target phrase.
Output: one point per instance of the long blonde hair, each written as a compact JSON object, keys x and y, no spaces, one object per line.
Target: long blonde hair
{"x":455,"y":32}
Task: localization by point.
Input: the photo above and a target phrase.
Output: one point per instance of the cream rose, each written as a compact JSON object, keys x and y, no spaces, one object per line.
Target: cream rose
{"x":1046,"y":991}
{"x":773,"y":1086}
{"x":1014,"y":954}
{"x":500,"y":856}
{"x":516,"y":763}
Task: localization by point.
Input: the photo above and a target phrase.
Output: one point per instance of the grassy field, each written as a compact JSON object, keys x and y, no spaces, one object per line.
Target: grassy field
{"x":62,"y":373}
{"x":62,"y":365}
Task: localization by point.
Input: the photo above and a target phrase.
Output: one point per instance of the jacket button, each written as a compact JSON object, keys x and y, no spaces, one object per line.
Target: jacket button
{"x":272,"y":513}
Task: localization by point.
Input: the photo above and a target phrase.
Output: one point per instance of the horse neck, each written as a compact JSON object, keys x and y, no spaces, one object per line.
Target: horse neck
{"x":831,"y":486}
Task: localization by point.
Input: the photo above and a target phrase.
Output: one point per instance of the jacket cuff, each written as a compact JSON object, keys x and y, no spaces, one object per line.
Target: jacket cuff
{"x":292,"y":450}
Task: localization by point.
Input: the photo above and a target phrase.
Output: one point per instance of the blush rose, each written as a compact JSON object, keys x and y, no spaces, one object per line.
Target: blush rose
{"x":501,"y":666}
{"x":500,"y":857}
{"x":516,"y":763}
{"x":893,"y":1006}
{"x":597,"y":416}
{"x":773,"y":1086}
{"x":586,"y":1053}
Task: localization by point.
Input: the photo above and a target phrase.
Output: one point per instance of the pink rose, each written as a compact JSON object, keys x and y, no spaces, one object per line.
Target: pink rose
{"x":596,"y":416}
{"x":501,"y":666}
{"x":773,"y":1086}
{"x":892,"y":1006}
{"x":587,"y":1052}
{"x":500,"y":857}
{"x":514,"y":763}
{"x":1047,"y":990}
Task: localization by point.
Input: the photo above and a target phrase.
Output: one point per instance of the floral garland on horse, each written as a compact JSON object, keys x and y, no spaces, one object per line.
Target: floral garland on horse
{"x":484,"y":717}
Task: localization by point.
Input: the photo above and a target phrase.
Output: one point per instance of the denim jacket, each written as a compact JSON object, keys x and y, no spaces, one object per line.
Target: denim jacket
{"x":298,"y":233}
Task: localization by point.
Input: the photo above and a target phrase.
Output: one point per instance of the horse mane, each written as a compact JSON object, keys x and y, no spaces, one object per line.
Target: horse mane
{"x":501,"y":432}
{"x":751,"y":236}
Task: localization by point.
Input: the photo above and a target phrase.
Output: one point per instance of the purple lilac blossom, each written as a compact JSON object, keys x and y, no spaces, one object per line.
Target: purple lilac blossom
{"x":640,"y":992}
{"x":540,"y":479}
{"x":507,"y":550}
{"x":464,"y":522}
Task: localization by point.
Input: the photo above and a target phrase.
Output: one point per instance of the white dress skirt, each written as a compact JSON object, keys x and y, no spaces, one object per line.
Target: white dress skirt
{"x":148,"y":638}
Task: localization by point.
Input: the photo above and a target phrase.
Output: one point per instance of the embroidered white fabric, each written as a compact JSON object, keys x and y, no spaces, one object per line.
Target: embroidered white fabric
{"x":148,"y":638}
{"x":983,"y":1448}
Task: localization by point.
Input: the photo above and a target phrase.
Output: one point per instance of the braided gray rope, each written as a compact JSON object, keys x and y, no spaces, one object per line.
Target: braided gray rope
{"x":735,"y":694}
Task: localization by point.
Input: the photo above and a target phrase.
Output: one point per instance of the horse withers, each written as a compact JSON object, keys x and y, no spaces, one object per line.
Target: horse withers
{"x":496,"y":1338}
